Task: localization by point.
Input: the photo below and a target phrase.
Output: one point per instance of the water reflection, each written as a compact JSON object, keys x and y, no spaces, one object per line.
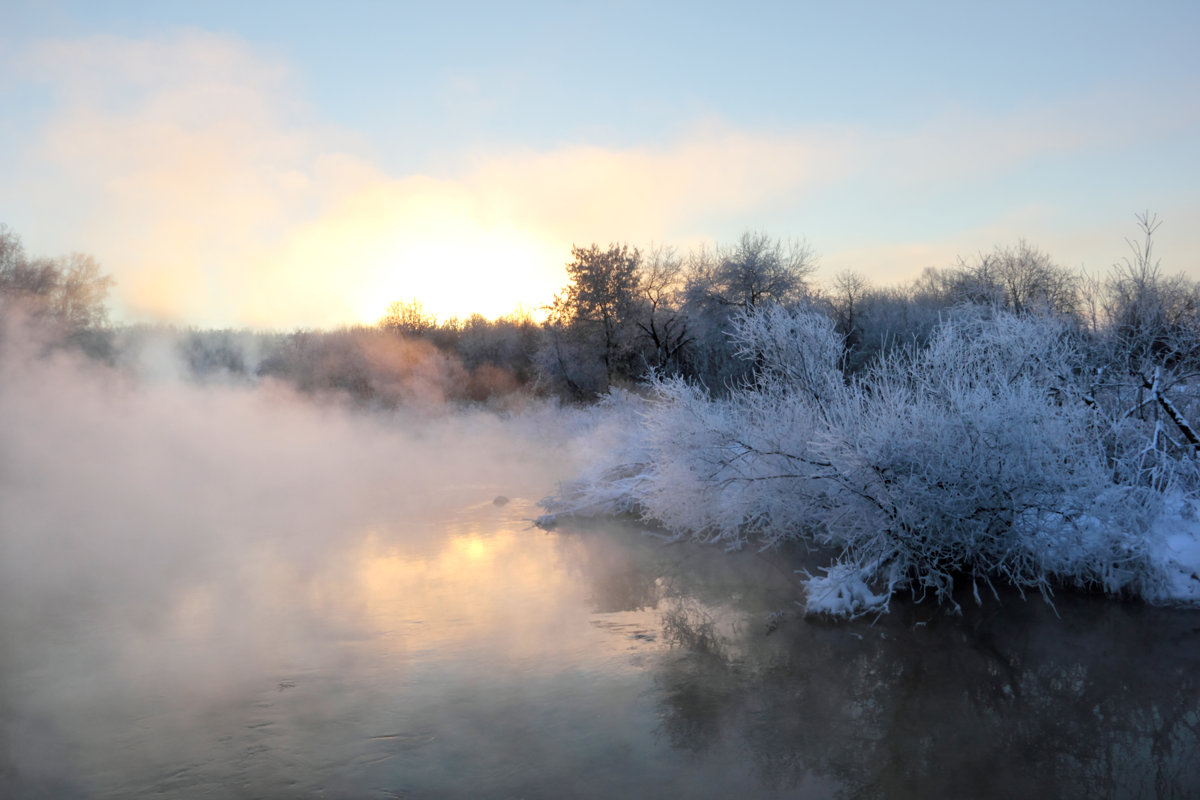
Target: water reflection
{"x":1007,"y":701}
{"x":471,"y":655}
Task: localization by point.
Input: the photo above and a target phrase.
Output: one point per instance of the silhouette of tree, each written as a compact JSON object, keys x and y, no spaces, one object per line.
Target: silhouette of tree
{"x":408,"y":317}
{"x":599,"y":303}
{"x":663,"y":319}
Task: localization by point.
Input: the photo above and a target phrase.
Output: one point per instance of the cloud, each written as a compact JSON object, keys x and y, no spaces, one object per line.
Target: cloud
{"x":187,"y":152}
{"x":214,"y":197}
{"x":506,"y":223}
{"x":190,"y":166}
{"x":642,"y":192}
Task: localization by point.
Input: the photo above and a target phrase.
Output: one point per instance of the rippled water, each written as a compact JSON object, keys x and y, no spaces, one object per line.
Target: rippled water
{"x":475,"y":656}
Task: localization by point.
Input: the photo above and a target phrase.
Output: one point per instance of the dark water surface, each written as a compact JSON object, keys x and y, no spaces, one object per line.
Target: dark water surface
{"x":479,"y":657}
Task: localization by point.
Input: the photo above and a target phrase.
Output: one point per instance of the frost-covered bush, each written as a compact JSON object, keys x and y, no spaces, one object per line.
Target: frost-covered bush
{"x":724,"y":469}
{"x":977,"y":458}
{"x":1147,"y":432}
{"x":610,"y":454}
{"x":728,"y":468}
{"x":794,"y":350}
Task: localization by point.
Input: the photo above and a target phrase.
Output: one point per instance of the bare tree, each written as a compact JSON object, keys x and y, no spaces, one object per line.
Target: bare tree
{"x":1020,"y":278}
{"x":71,"y":290}
{"x":1031,"y":281}
{"x":1147,"y":365}
{"x":1153,"y":317}
{"x":663,"y":320}
{"x":849,"y":288}
{"x":21,"y":277}
{"x":81,"y":292}
{"x":408,"y":317}
{"x":759,"y":269}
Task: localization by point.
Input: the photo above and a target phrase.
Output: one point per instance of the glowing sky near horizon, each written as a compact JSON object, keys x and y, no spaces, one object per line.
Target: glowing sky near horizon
{"x":298,"y":164}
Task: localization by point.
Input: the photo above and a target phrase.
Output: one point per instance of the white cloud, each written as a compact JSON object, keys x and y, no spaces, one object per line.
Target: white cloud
{"x":191,"y":168}
{"x":212,"y":195}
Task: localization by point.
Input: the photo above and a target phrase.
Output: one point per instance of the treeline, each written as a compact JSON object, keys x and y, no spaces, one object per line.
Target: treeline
{"x":625,"y":314}
{"x":406,"y":359}
{"x":381,"y":366}
{"x":1001,"y":421}
{"x":64,"y":297}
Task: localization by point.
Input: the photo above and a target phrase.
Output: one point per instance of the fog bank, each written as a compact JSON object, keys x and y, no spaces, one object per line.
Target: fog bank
{"x":128,"y":498}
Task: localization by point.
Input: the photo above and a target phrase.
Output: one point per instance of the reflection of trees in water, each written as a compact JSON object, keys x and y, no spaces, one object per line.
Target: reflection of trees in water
{"x":700,"y":688}
{"x":626,"y":570}
{"x":687,"y":624}
{"x":619,"y":577}
{"x":1008,"y":701}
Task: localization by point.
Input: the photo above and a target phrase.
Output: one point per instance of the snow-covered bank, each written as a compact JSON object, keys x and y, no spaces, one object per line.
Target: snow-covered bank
{"x":980,"y":457}
{"x":1174,"y":544}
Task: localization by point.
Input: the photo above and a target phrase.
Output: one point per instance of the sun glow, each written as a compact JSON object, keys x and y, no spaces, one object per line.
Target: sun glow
{"x":463,"y":272}
{"x":427,"y":240}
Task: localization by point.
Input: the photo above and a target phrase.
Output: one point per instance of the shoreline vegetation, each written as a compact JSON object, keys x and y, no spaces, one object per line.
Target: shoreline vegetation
{"x":1003,"y":421}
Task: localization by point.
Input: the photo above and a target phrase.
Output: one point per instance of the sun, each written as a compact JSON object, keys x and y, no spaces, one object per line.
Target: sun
{"x":418,"y":239}
{"x":467,"y":271}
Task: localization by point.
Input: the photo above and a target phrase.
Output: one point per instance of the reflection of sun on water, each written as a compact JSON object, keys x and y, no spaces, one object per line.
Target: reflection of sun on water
{"x":473,"y":547}
{"x":474,"y":587}
{"x":395,"y":584}
{"x":504,"y":592}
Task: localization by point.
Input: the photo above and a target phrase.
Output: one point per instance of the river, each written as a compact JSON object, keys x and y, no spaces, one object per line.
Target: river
{"x":476,"y":656}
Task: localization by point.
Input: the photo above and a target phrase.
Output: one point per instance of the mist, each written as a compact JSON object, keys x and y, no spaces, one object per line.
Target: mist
{"x":146,"y":515}
{"x":319,"y":563}
{"x":119,"y":482}
{"x":379,"y":421}
{"x":236,"y":587}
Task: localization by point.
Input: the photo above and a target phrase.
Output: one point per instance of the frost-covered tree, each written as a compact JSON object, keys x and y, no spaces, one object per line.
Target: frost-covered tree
{"x":722,"y":281}
{"x":66,"y":295}
{"x":593,"y":318}
{"x":975,"y":458}
{"x":1145,"y":368}
{"x":758,"y":269}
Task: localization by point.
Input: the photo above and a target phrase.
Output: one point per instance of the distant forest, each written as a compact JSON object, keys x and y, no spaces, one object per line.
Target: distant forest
{"x":625,"y":314}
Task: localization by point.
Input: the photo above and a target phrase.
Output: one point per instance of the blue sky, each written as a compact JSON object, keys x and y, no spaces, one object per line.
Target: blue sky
{"x":301,"y":164}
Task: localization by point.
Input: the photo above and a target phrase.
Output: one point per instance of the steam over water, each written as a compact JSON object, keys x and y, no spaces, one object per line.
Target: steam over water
{"x":233,"y":592}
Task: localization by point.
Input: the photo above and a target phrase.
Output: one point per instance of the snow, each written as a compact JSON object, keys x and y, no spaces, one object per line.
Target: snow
{"x":842,"y":592}
{"x":1175,"y":552}
{"x":975,"y":457}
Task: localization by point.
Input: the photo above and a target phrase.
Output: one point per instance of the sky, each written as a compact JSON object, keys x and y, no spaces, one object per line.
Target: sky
{"x":300,"y":164}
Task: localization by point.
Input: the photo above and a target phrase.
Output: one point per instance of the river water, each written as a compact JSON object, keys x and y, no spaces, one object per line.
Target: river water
{"x":478,"y":656}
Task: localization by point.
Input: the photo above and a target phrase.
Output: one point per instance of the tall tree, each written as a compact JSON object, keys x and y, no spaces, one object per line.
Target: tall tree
{"x":408,"y":318}
{"x":759,"y":269}
{"x":663,"y":319}
{"x":70,"y":290}
{"x":600,"y":301}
